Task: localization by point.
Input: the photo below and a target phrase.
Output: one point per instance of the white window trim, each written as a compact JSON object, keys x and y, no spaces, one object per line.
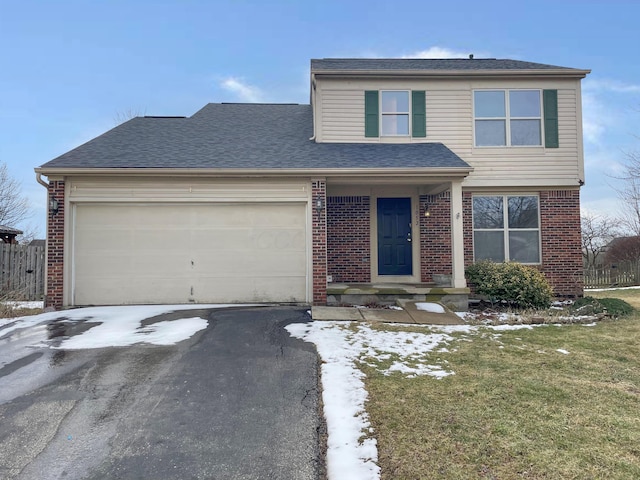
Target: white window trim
{"x":383,"y":113}
{"x":505,"y":222}
{"x":507,"y":119}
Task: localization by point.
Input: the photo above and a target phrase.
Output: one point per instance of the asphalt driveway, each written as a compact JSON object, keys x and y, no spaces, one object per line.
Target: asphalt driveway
{"x":237,"y":400}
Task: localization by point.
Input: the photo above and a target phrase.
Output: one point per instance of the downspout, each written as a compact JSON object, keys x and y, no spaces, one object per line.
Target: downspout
{"x":41,"y":182}
{"x":46,"y":243}
{"x":313,"y":104}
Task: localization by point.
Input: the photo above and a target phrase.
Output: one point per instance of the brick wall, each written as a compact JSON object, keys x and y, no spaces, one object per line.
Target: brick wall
{"x":55,"y":247}
{"x":435,"y":236}
{"x":348,"y":239}
{"x":319,"y":243}
{"x":560,"y":237}
{"x":561,"y":245}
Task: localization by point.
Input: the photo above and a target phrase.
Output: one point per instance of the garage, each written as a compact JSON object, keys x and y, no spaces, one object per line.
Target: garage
{"x":210,"y":252}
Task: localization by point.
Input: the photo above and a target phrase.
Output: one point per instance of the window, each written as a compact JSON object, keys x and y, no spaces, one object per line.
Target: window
{"x":396,"y":113}
{"x":506,"y":228}
{"x":507,"y":118}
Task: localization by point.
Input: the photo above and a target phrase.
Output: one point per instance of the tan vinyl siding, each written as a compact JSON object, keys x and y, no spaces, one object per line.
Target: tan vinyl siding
{"x":449,"y":112}
{"x":342,"y":115}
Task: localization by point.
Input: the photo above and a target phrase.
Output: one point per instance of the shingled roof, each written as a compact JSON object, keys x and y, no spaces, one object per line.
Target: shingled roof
{"x":243,"y":136}
{"x":10,"y":230}
{"x":467,"y":65}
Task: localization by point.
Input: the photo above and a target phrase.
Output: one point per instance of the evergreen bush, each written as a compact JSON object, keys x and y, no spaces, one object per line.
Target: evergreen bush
{"x":519,"y":286}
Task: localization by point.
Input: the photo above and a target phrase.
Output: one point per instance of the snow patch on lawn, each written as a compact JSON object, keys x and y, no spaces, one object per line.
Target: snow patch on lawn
{"x":562,"y":351}
{"x":342,"y":346}
{"x":18,"y":305}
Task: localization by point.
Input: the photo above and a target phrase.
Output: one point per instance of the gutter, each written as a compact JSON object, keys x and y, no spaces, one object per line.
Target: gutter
{"x":458,"y":73}
{"x":267,"y":172}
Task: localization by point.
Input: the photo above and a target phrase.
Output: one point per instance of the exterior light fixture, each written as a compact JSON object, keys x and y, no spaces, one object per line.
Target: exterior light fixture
{"x":319,"y":204}
{"x":53,"y":205}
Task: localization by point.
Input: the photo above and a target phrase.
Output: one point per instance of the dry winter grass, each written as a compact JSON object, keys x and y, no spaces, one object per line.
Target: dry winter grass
{"x":7,"y":310}
{"x":525,"y":410}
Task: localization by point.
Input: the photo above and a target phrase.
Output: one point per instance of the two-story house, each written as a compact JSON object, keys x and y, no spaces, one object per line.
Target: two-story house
{"x":399,"y":174}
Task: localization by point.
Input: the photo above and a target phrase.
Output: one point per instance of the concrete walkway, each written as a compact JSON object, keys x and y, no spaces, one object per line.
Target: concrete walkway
{"x":407,"y":311}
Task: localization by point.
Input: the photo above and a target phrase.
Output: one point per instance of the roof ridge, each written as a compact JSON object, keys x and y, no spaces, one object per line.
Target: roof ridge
{"x":253,"y":103}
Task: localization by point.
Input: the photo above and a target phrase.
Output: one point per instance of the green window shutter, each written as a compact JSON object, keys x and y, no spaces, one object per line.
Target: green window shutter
{"x":419,"y":114}
{"x":371,"y":114}
{"x":550,"y":104}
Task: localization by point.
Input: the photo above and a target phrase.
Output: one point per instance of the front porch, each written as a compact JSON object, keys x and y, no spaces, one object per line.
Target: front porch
{"x":390,"y":241}
{"x":455,"y":299}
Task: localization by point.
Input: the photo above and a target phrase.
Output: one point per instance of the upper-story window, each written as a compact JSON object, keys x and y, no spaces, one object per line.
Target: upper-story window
{"x":507,"y":117}
{"x":394,"y":112}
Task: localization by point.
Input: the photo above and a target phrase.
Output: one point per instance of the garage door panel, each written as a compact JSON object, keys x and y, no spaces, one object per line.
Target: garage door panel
{"x":180,"y":253}
{"x":127,"y":291}
{"x":230,"y":265}
{"x":257,"y":289}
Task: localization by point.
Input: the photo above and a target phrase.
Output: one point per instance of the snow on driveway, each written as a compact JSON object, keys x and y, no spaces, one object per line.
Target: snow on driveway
{"x":118,"y":326}
{"x":342,"y":347}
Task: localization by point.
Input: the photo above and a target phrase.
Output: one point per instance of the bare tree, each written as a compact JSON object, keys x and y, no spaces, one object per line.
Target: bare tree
{"x":597,"y":232}
{"x":128,"y":114}
{"x":14,"y":207}
{"x":629,"y":193}
{"x":29,"y":233}
{"x":623,"y":249}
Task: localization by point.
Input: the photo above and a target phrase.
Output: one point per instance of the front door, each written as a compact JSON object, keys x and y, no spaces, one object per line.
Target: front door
{"x":394,"y":236}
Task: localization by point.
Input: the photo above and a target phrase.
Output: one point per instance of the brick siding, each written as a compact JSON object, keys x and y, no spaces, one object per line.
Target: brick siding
{"x":55,"y":247}
{"x":319,"y":242}
{"x":348,"y":239}
{"x":435,"y":236}
{"x":561,"y":243}
{"x":560,"y":237}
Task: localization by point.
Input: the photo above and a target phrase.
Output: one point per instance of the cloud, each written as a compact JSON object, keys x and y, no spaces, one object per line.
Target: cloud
{"x":437,"y":52}
{"x":608,"y":85}
{"x":243,"y":90}
{"x":431,"y":52}
{"x":594,"y":118}
{"x":608,"y":109}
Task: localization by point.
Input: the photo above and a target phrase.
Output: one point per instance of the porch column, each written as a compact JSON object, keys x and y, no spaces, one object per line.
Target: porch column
{"x":319,"y":242}
{"x":457,"y":236}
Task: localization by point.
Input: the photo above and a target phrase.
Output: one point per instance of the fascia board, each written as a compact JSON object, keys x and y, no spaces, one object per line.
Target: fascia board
{"x":229,"y":172}
{"x":566,"y":73}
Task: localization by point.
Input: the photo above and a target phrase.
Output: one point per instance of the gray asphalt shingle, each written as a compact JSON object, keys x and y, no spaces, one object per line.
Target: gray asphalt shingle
{"x":391,"y":64}
{"x":243,"y":136}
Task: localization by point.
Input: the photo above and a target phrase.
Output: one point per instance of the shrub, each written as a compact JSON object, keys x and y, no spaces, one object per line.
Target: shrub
{"x":518,"y":285}
{"x":612,"y":306}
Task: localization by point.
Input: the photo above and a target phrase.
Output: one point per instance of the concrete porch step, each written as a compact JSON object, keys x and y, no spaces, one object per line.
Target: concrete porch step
{"x":423,"y":313}
{"x":388,"y":294}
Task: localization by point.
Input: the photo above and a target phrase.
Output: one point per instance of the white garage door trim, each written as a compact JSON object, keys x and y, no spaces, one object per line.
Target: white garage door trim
{"x":297,"y":290}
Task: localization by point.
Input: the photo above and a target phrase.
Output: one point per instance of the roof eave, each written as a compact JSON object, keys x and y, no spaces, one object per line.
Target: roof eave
{"x":550,"y":72}
{"x":267,"y":172}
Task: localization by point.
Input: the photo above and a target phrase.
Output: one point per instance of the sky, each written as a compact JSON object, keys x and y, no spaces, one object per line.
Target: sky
{"x":71,"y":70}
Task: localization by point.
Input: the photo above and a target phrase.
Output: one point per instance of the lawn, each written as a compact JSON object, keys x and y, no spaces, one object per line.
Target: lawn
{"x":546,"y":403}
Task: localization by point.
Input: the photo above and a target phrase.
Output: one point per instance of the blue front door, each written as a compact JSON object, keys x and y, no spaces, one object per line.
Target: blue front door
{"x":394,"y":236}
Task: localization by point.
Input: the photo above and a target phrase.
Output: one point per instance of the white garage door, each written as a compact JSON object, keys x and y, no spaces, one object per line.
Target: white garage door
{"x":177,"y":253}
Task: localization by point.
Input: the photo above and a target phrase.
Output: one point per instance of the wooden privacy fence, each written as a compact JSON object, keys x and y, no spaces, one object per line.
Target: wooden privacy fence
{"x":625,"y":274}
{"x":21,"y":272}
